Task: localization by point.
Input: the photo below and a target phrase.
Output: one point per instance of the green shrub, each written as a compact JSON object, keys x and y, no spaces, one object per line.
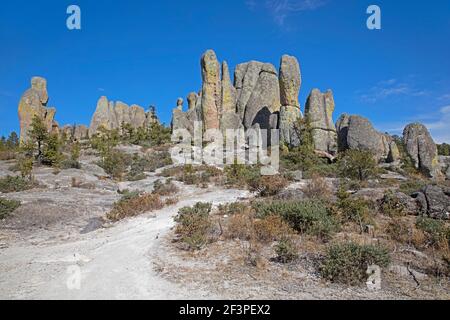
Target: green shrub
{"x":233,"y":208}
{"x":355,"y":210}
{"x":7,"y":207}
{"x":411,"y":186}
{"x":15,"y":184}
{"x":436,"y":231}
{"x":115,"y":163}
{"x":286,"y":251}
{"x":357,"y":165}
{"x":444,"y":149}
{"x":348,"y":263}
{"x":391,"y":205}
{"x":310,"y":216}
{"x":241,"y":175}
{"x":194,"y":224}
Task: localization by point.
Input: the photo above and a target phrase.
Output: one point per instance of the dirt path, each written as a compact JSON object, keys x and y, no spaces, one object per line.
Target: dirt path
{"x":114,"y":263}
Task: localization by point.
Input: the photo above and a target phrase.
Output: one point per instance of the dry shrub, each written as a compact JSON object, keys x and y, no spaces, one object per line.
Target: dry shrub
{"x":171,"y":201}
{"x":165,"y":189}
{"x":268,"y":186}
{"x":252,"y":254}
{"x":231,"y":209}
{"x":7,"y":155}
{"x":134,"y":205}
{"x":318,"y":188}
{"x":271,"y":228}
{"x":286,"y":250}
{"x":240,"y":226}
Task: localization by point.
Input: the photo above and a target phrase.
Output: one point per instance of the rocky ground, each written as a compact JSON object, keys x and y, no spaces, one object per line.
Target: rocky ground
{"x":60,"y":228}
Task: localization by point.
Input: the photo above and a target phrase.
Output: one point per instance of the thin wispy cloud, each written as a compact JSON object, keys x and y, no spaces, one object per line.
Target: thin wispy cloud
{"x":390,"y":88}
{"x":280,"y":10}
{"x":437,"y":122}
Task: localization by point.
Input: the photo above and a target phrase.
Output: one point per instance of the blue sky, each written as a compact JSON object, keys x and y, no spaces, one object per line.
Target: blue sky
{"x":148,"y":52}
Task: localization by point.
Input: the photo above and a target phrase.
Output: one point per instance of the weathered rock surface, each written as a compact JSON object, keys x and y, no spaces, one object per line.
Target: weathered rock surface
{"x":356,"y":132}
{"x":290,"y":81}
{"x":77,"y":132}
{"x":264,"y":99}
{"x":211,"y":90}
{"x":422,"y":149}
{"x":319,"y":112}
{"x":434,"y":201}
{"x":289,"y":130}
{"x":34,"y":103}
{"x":114,"y":115}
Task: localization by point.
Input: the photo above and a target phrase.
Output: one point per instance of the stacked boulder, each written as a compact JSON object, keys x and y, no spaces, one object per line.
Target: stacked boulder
{"x":114,"y":115}
{"x":290,"y":84}
{"x":422,"y":149}
{"x":258,"y":99}
{"x":319,"y":113}
{"x":76,"y":132}
{"x":34,"y":103}
{"x":356,"y":132}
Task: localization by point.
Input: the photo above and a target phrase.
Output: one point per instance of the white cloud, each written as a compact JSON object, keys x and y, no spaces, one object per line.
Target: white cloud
{"x":281,"y":9}
{"x":101,"y":89}
{"x":390,"y":88}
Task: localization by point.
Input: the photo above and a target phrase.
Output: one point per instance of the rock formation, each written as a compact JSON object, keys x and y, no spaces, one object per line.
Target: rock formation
{"x":34,"y":103}
{"x":434,"y":201}
{"x":422,"y":149}
{"x":319,"y":113}
{"x":356,"y":132}
{"x":75,"y":132}
{"x":114,"y":115}
{"x":290,"y":84}
{"x":211,"y":90}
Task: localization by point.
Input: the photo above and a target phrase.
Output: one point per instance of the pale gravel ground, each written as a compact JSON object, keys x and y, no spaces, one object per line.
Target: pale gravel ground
{"x":115,"y":263}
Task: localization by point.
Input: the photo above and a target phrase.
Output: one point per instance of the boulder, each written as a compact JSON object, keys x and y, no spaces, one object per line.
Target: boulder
{"x":34,"y":103}
{"x":245,"y":77}
{"x":422,"y":149}
{"x":319,"y":112}
{"x":211,"y":90}
{"x":356,"y":132}
{"x":81,"y":132}
{"x":434,"y":201}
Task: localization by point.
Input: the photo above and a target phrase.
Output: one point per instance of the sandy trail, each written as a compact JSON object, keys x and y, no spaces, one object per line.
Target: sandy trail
{"x":114,"y":263}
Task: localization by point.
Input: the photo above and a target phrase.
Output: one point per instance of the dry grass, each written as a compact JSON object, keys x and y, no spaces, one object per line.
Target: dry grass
{"x":318,"y":188}
{"x":165,"y":189}
{"x":135,"y":205}
{"x":268,"y":186}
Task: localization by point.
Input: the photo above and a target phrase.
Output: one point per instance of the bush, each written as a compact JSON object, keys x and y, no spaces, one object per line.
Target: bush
{"x":241,"y":175}
{"x":240,"y":226}
{"x":357,"y":164}
{"x":353,"y":209}
{"x":318,"y":188}
{"x":15,"y":184}
{"x":194,"y":225}
{"x":392,"y":206}
{"x":165,"y":189}
{"x":25,"y":166}
{"x":436,"y":232}
{"x":286,"y":251}
{"x":133,"y":204}
{"x":310,"y":216}
{"x":231,"y":209}
{"x":412,"y":186}
{"x":267,"y":186}
{"x":193,"y":175}
{"x":348,"y":263}
{"x":271,"y":228}
{"x":115,"y":163}
{"x":7,"y":207}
